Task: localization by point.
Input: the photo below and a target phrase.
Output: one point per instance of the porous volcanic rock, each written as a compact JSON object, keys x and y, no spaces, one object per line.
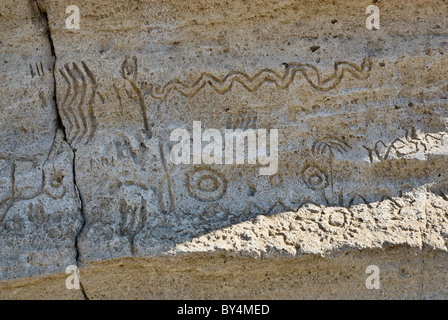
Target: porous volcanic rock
{"x":353,"y":123}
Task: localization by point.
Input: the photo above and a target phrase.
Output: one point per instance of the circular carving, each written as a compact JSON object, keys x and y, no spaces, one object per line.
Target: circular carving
{"x":56,"y":179}
{"x":315,"y":178}
{"x":335,"y":219}
{"x":206,"y":185}
{"x":55,"y":184}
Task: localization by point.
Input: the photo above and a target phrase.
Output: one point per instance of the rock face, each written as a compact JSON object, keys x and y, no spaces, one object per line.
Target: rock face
{"x":40,"y":212}
{"x":107,"y":132}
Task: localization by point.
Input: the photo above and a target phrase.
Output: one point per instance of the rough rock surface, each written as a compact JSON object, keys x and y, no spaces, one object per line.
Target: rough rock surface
{"x":40,"y":214}
{"x":86,"y":176}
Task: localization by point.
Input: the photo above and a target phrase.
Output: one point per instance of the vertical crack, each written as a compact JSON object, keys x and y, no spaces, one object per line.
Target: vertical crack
{"x":60,"y":125}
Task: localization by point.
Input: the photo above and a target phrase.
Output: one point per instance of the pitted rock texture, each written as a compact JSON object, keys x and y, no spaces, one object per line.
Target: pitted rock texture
{"x":87,"y":116}
{"x":40,"y":213}
{"x":406,"y":273}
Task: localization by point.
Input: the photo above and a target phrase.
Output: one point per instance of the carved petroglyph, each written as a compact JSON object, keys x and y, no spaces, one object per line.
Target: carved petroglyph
{"x":252,"y":83}
{"x":125,"y":149}
{"x":133,"y":219}
{"x":25,"y":183}
{"x":28,"y":182}
{"x":412,"y":143}
{"x":114,"y":187}
{"x":43,"y":99}
{"x":120,"y":100}
{"x":333,"y":219}
{"x":244,"y":122}
{"x":77,"y":105}
{"x":329,"y":220}
{"x":101,"y":96}
{"x":249,"y":211}
{"x":37,"y":70}
{"x":206,"y":184}
{"x":24,"y":179}
{"x":253,"y":208}
{"x":137,"y":152}
{"x":54,"y":184}
{"x":129,"y":72}
{"x":315,"y":178}
{"x":134,"y":209}
{"x":7,"y":186}
{"x":358,"y":199}
{"x":166,"y":178}
{"x":314,"y":227}
{"x":329,"y":145}
{"x":37,"y":214}
{"x":214,"y":210}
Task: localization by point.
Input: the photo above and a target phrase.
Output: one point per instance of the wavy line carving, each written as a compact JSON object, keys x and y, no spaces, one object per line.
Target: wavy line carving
{"x":251,"y":84}
{"x":77,"y":104}
{"x":412,"y":143}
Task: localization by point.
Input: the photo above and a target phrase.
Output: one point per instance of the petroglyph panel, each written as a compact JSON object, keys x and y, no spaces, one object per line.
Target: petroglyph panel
{"x":39,"y":207}
{"x":349,"y":130}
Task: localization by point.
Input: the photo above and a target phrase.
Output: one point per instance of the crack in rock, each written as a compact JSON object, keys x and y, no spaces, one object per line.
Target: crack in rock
{"x":44,"y":17}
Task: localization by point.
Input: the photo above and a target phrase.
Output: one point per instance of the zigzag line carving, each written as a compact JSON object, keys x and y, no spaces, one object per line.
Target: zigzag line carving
{"x":251,"y":84}
{"x":77,"y":104}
